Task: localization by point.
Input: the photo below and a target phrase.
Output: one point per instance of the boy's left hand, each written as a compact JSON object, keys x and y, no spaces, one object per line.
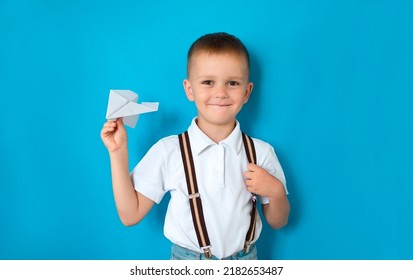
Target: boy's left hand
{"x":262,"y":183}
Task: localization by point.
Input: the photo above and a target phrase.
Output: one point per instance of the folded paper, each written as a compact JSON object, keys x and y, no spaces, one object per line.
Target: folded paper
{"x":123,"y":104}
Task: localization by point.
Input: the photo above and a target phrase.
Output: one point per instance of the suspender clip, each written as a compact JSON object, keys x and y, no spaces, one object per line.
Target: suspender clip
{"x":247,"y":246}
{"x":194,"y":195}
{"x":207,"y":252}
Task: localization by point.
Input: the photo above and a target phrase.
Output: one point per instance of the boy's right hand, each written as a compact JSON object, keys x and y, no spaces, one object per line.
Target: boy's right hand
{"x":114,"y":136}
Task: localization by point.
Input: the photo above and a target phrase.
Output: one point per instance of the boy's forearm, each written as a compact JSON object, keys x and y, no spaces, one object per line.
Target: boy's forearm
{"x":126,"y":199}
{"x":276,"y":212}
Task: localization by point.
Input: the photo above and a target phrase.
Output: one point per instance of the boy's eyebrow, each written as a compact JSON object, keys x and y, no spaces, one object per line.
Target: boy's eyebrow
{"x":236,"y":78}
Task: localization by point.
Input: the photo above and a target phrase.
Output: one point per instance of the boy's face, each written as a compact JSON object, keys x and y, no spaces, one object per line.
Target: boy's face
{"x":219,"y":85}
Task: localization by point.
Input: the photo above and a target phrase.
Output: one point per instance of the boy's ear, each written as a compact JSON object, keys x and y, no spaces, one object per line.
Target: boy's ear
{"x":188,"y":90}
{"x":248,"y":91}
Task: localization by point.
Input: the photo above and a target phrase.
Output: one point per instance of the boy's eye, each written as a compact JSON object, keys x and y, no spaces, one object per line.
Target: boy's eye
{"x":233,"y":83}
{"x":208,"y":82}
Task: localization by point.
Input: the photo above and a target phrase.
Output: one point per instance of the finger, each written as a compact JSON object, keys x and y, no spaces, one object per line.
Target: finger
{"x":252,"y":167}
{"x":252,"y":189}
{"x":109,"y":129}
{"x":248,"y":183}
{"x":248,"y":175}
{"x":109,"y":124}
{"x":105,"y":133}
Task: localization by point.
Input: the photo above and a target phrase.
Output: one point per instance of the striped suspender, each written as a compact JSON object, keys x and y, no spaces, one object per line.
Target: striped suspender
{"x":193,"y":194}
{"x":252,"y":158}
{"x":195,"y":200}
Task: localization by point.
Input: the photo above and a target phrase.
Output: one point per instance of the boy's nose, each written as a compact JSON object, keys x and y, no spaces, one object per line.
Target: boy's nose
{"x":221,"y":92}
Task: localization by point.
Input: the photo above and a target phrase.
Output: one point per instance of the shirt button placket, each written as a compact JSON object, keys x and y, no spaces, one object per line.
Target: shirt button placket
{"x":221,"y":166}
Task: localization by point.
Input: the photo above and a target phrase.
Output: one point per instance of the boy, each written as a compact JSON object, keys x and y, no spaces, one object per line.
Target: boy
{"x":218,"y":83}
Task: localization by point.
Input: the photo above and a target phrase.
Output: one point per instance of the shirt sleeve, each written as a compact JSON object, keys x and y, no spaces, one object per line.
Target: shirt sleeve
{"x":148,"y":176}
{"x":268,"y":160}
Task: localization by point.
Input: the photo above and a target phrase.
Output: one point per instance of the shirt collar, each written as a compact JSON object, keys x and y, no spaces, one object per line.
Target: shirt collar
{"x":200,"y":141}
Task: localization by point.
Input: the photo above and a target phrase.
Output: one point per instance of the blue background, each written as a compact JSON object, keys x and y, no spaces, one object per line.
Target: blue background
{"x":333,"y":95}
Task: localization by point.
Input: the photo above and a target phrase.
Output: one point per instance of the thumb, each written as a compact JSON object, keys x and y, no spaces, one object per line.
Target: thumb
{"x":119,"y":122}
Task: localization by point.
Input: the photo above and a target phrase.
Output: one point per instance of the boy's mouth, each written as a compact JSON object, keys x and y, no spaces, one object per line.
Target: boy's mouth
{"x":219,"y":105}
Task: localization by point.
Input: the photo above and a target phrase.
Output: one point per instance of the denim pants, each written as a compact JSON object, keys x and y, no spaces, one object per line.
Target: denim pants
{"x":180,"y":253}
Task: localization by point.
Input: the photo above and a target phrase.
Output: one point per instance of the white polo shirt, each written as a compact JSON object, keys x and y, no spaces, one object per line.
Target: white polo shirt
{"x":219,"y":169}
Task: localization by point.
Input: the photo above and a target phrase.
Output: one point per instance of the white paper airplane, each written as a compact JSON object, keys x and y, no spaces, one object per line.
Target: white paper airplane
{"x":123,"y":104}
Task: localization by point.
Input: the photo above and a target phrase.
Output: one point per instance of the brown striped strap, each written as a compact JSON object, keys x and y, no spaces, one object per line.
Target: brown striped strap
{"x":193,"y":194}
{"x":252,"y":158}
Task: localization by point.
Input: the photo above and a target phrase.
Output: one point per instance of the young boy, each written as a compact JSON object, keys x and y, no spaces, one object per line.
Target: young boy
{"x":218,"y":82}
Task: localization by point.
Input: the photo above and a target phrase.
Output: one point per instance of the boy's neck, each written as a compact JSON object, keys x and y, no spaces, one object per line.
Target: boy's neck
{"x":216,"y":133}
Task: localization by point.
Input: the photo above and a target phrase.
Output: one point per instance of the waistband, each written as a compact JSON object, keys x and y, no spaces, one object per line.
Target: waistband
{"x":180,"y":253}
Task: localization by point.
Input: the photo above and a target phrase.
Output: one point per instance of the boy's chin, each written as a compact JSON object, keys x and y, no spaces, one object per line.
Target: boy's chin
{"x":219,"y":121}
